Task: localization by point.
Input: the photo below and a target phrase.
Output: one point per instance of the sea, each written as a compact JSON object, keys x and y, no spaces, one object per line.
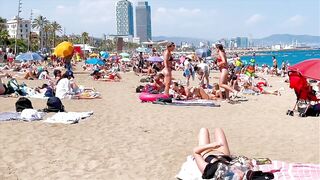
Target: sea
{"x":291,"y":57}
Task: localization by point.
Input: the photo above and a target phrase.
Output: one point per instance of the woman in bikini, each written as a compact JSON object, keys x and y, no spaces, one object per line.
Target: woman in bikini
{"x":167,"y":71}
{"x":223,"y":67}
{"x":209,"y":152}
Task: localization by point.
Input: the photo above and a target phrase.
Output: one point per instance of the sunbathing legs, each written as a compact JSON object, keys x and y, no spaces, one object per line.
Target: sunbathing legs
{"x":219,"y":136}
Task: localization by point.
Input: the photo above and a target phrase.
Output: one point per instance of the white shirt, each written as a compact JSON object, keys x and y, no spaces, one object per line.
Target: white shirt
{"x":63,"y":88}
{"x":43,"y":75}
{"x":204,"y":67}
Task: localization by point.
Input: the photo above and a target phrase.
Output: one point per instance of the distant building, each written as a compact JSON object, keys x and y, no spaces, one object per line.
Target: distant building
{"x":143,"y":21}
{"x":24,"y":28}
{"x":124,"y":15}
{"x":242,"y":42}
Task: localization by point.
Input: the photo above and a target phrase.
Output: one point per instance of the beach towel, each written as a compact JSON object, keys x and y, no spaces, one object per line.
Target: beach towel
{"x":68,"y":117}
{"x":192,"y":102}
{"x":284,"y":170}
{"x":31,"y":115}
{"x":189,"y":170}
{"x":9,"y":116}
{"x":281,"y":170}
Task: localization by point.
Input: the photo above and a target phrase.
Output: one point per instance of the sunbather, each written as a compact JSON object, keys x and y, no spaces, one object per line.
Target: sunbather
{"x":210,"y":156}
{"x":207,"y":153}
{"x":3,"y":87}
{"x":258,"y":88}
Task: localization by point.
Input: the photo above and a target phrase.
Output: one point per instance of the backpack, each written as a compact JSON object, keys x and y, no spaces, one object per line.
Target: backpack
{"x":49,"y":92}
{"x":23,"y":103}
{"x":54,"y":105}
{"x":139,"y":89}
{"x":13,"y":86}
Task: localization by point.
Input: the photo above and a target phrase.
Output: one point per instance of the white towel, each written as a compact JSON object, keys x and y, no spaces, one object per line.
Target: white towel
{"x":189,"y":170}
{"x":68,"y":117}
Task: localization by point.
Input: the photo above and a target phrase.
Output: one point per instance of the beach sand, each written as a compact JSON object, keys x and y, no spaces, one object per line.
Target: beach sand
{"x":127,"y":139}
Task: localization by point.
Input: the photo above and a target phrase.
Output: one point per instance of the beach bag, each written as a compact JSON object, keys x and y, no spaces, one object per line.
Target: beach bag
{"x":23,"y":103}
{"x":13,"y":87}
{"x":312,"y":111}
{"x":49,"y":92}
{"x":139,"y":89}
{"x":240,"y":167}
{"x":54,"y":105}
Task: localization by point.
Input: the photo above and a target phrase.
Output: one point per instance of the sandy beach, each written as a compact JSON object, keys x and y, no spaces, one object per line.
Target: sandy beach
{"x":127,"y":139}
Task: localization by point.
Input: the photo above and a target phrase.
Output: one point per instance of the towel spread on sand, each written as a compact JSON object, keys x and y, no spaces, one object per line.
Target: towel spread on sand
{"x":9,"y":116}
{"x":281,"y":170}
{"x":192,"y":102}
{"x":68,"y":117}
{"x":25,"y":115}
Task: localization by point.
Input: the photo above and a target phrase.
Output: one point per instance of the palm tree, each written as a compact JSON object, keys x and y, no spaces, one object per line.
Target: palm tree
{"x":39,"y":23}
{"x":85,"y":37}
{"x":55,"y":27}
{"x":47,"y":30}
{"x":3,"y":24}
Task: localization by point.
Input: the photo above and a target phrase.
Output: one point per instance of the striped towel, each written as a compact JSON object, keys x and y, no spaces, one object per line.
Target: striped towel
{"x":292,"y":171}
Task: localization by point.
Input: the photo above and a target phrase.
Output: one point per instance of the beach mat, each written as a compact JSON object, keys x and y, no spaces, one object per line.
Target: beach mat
{"x":284,"y":170}
{"x":281,"y":170}
{"x":193,"y":102}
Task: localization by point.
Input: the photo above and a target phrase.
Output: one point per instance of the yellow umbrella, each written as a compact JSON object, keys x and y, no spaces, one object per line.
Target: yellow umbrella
{"x":64,"y":49}
{"x":94,"y":55}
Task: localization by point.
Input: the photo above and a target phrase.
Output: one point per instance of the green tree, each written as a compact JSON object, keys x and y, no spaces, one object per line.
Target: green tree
{"x":3,"y":24}
{"x":4,"y":35}
{"x":47,"y":31}
{"x":85,"y":37}
{"x":39,"y":23}
{"x":55,"y":27}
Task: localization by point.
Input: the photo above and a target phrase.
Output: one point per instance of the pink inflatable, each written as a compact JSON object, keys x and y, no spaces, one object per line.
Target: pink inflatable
{"x":147,"y":97}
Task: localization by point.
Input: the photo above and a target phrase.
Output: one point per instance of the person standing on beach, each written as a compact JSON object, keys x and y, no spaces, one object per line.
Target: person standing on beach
{"x":223,"y":67}
{"x":167,"y":71}
{"x":274,"y":65}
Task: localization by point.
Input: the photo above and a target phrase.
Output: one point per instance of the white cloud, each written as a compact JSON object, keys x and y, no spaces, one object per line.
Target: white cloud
{"x":295,"y":20}
{"x":254,"y":19}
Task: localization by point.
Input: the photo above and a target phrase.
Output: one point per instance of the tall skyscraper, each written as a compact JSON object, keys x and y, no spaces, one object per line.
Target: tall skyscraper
{"x":143,"y":21}
{"x":124,"y":14}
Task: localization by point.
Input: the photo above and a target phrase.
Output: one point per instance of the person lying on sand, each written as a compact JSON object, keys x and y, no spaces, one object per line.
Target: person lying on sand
{"x":3,"y":87}
{"x":214,"y":160}
{"x":258,"y":88}
{"x":182,"y":92}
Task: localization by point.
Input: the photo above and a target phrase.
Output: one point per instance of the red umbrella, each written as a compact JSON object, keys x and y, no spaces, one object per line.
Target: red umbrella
{"x":308,"y":68}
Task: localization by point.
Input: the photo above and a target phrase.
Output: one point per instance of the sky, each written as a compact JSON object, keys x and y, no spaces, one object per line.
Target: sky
{"x":213,"y":19}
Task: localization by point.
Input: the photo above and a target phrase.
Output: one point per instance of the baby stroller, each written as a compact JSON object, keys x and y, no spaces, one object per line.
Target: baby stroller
{"x":306,"y":96}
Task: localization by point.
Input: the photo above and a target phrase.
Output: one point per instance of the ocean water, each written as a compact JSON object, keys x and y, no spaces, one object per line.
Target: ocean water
{"x":292,"y":57}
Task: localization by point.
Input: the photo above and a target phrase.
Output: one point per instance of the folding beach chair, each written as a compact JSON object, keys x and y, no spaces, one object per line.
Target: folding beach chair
{"x":305,"y":95}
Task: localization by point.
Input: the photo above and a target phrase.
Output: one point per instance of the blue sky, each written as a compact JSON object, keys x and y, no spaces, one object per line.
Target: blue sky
{"x":211,"y":19}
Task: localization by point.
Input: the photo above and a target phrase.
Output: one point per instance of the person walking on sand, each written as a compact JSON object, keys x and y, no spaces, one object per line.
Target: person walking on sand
{"x":223,"y":67}
{"x":167,"y":71}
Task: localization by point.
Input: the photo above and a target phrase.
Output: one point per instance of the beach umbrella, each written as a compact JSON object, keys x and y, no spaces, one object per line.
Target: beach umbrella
{"x":95,"y":61}
{"x":114,"y":57}
{"x":308,"y":68}
{"x":155,"y":59}
{"x":124,"y":55}
{"x":64,"y":49}
{"x":125,"y":60}
{"x":29,"y":56}
{"x":104,"y":54}
{"x":203,"y":53}
{"x":141,"y":49}
{"x":94,"y":55}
